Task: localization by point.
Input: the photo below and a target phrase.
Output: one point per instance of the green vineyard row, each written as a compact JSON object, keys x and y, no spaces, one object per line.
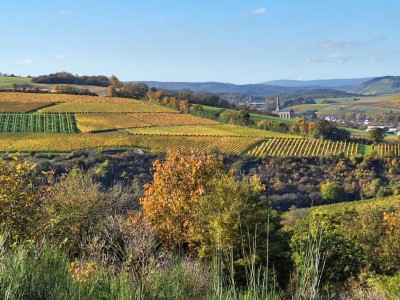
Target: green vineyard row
{"x":50,"y":123}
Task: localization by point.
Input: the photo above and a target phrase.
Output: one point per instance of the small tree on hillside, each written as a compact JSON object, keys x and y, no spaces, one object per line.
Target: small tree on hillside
{"x":377,"y":135}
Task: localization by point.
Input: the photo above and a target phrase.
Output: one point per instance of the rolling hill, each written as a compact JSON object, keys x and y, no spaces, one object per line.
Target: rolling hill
{"x":379,"y":86}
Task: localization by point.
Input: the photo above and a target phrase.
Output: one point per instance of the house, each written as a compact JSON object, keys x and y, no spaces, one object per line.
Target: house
{"x":286,"y":113}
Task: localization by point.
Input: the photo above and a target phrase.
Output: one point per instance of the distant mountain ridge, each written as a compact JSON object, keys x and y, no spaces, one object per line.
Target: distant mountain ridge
{"x":247,"y":89}
{"x":329,"y":83}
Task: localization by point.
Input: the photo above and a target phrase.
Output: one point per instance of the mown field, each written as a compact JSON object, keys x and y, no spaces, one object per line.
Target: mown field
{"x":64,"y":123}
{"x":9,"y":80}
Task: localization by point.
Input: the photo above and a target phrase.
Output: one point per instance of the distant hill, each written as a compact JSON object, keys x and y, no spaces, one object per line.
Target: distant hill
{"x":245,"y":89}
{"x":379,"y":85}
{"x":329,"y":83}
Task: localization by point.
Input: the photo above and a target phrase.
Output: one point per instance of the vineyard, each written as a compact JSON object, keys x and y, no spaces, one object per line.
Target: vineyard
{"x":67,"y":143}
{"x":210,"y":130}
{"x":104,"y":122}
{"x":134,"y":106}
{"x":22,"y":122}
{"x":62,"y":98}
{"x":387,"y":149}
{"x":303,"y":147}
{"x":44,"y":122}
{"x":377,"y":204}
{"x":172,"y":119}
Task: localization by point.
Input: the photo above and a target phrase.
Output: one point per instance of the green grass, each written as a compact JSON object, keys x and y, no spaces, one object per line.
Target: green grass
{"x":213,"y":109}
{"x":259,"y":117}
{"x":364,"y":149}
{"x":8,"y":80}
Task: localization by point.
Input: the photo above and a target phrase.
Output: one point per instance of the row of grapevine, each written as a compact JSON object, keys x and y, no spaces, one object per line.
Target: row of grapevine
{"x":104,"y":122}
{"x":66,"y":142}
{"x":304,"y":148}
{"x":112,"y":121}
{"x":223,"y":144}
{"x":172,"y":119}
{"x":59,"y":98}
{"x":106,"y":108}
{"x":208,"y":130}
{"x":57,"y":142}
{"x":21,"y":122}
{"x":387,"y":149}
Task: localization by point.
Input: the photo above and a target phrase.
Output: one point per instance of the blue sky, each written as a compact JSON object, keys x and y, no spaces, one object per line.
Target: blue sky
{"x":237,"y":41}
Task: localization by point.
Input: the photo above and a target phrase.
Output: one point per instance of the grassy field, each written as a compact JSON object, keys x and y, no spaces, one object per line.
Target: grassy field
{"x":8,"y":80}
{"x":259,"y":117}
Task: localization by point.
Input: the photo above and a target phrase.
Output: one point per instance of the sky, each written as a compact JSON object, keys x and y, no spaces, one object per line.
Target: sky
{"x":236,"y":41}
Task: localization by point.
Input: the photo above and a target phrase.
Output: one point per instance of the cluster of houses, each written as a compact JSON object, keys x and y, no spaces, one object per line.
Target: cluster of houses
{"x":288,"y":113}
{"x":389,"y":130}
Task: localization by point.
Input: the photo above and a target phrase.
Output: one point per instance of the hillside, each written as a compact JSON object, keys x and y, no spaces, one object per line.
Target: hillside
{"x":379,"y":85}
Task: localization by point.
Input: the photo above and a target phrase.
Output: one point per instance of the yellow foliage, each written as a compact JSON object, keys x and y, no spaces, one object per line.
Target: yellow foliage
{"x":179,"y":183}
{"x":20,"y":199}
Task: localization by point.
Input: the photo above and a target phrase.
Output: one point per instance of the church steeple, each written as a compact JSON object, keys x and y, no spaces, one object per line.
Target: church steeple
{"x":277,"y":103}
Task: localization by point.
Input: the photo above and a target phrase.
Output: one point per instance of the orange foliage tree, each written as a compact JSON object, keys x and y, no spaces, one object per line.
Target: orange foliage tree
{"x":179,"y":183}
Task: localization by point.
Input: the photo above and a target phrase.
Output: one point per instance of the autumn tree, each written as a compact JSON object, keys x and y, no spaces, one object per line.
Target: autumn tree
{"x":235,"y":219}
{"x":111,"y":91}
{"x":184,"y":105}
{"x":114,"y":81}
{"x":192,"y":204}
{"x":21,"y":196}
{"x":179,"y":183}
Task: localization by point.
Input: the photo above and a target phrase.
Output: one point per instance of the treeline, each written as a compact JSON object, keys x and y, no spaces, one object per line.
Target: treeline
{"x":68,"y":78}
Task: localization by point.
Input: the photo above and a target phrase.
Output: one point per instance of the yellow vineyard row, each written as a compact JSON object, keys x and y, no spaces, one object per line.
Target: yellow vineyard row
{"x":304,"y":147}
{"x":106,"y":121}
{"x":71,"y":142}
{"x":387,"y":149}
{"x":50,"y":97}
{"x":134,"y":106}
{"x":172,"y":119}
{"x":103,"y":122}
{"x":209,"y":130}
